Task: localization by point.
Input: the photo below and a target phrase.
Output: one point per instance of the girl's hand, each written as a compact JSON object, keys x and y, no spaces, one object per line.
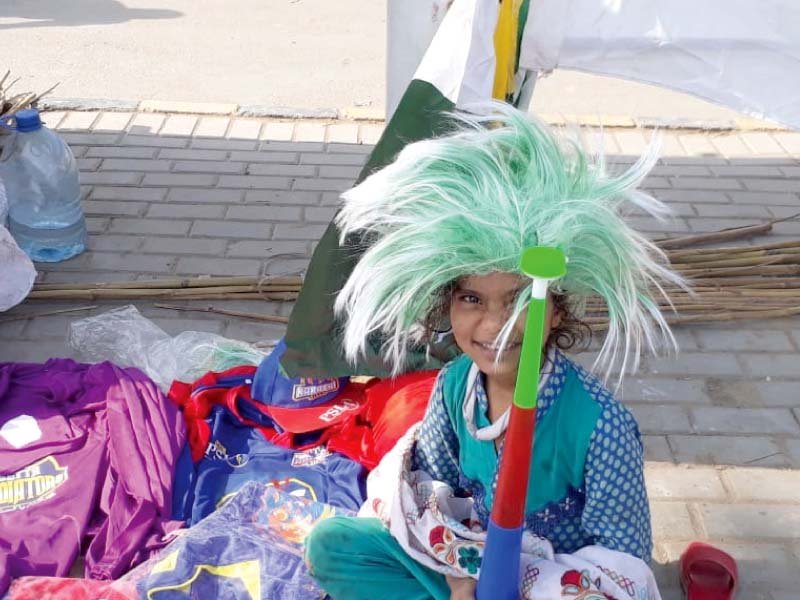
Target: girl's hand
{"x":461,"y":588}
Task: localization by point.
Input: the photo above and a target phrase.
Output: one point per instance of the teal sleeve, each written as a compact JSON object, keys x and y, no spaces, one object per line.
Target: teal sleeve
{"x":436,"y":450}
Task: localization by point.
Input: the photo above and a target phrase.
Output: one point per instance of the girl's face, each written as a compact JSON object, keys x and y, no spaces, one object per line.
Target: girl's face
{"x":480,"y":306}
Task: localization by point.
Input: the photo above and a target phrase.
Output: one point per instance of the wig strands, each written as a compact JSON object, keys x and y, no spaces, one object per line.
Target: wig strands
{"x":469,"y":203}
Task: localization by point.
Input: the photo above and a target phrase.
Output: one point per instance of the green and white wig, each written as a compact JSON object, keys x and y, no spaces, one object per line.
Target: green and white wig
{"x":469,"y":203}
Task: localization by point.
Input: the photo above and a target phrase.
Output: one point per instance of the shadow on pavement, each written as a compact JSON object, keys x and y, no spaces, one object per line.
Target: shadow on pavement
{"x":38,"y":13}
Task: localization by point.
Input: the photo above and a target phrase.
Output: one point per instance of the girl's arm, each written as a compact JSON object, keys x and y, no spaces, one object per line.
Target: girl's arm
{"x":617,"y":513}
{"x":436,"y":450}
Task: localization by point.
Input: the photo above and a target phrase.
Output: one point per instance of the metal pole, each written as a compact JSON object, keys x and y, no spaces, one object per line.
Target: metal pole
{"x":527,"y":87}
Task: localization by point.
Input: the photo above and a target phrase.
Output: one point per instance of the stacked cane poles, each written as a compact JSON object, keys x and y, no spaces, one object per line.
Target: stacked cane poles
{"x":499,"y":577}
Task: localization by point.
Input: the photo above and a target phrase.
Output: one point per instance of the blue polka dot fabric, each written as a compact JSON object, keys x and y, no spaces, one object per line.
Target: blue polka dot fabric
{"x":610,"y":509}
{"x":617,"y":513}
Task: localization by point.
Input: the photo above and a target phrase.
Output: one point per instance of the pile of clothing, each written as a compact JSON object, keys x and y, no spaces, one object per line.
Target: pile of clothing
{"x":208,"y":489}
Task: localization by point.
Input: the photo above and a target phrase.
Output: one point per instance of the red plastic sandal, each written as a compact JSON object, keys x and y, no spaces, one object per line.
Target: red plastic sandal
{"x":708,"y":573}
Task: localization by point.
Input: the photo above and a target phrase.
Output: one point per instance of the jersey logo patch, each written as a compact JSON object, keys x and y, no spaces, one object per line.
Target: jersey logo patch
{"x":309,"y":458}
{"x":216,"y":451}
{"x":33,"y":484}
{"x":310,"y":388}
{"x":337,"y":409}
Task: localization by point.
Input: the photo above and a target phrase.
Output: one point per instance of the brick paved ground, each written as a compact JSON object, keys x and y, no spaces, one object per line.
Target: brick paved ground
{"x":174,"y":194}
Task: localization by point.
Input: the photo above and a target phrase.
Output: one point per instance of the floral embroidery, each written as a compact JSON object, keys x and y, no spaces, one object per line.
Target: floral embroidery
{"x":451,"y":550}
{"x":470,"y":559}
{"x":578,"y":585}
{"x":437,"y":536}
{"x":546,"y":521}
{"x":441,"y":541}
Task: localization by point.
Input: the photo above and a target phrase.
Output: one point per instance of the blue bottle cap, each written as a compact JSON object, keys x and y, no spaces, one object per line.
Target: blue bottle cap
{"x":28,"y":120}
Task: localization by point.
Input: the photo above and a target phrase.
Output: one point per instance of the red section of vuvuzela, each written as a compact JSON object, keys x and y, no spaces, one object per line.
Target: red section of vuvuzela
{"x":508,"y":509}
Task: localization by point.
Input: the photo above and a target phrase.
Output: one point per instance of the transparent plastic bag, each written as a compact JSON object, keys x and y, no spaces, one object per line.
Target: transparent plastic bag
{"x":123,"y":336}
{"x":17,"y":272}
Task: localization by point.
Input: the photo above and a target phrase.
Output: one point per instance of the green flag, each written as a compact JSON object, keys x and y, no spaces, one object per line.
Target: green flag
{"x":457,"y":70}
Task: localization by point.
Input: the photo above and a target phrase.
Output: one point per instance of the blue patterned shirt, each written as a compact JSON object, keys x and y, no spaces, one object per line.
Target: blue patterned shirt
{"x":610,"y":509}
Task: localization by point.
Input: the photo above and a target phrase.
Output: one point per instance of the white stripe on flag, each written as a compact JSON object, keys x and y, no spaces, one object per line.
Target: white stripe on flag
{"x":460,"y":61}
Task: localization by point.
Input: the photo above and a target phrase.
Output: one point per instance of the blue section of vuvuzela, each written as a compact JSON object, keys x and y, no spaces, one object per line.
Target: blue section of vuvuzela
{"x":500,"y":559}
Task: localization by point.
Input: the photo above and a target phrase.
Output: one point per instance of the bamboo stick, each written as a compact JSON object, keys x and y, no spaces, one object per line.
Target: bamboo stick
{"x":778,"y":259}
{"x":709,"y":304}
{"x":599,"y":320}
{"x":682,"y":303}
{"x":45,"y":313}
{"x":738,"y":293}
{"x":175,"y":283}
{"x":689,"y":259}
{"x":227,"y":312}
{"x":201,"y":295}
{"x":720,"y":316}
{"x":752,"y":270}
{"x":791,"y":244}
{"x":677,"y":297}
{"x":725,"y":235}
{"x":117,"y":294}
{"x":278,"y":297}
{"x":722,"y":235}
{"x":717,"y":282}
{"x":210,"y":295}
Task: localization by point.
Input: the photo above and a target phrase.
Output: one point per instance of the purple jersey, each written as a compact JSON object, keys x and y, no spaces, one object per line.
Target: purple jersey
{"x":87,"y":454}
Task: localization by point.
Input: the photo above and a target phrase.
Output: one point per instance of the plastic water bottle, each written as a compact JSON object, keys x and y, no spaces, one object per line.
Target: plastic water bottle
{"x":41,"y":180}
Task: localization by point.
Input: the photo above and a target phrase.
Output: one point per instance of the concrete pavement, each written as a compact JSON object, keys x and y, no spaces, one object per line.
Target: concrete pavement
{"x":182,"y":194}
{"x":302,"y":54}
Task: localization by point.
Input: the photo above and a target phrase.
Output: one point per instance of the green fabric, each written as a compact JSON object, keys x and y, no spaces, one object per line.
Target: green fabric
{"x":523,"y":19}
{"x":313,"y":342}
{"x":358,"y":559}
{"x":559,"y":449}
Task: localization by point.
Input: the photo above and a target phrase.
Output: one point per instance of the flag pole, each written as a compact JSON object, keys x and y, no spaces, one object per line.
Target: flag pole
{"x":499,"y":575}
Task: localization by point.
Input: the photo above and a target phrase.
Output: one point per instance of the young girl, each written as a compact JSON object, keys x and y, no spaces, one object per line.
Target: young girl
{"x":447,"y":223}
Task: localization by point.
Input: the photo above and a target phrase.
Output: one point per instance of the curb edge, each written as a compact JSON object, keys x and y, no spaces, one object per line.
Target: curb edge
{"x":360,"y":113}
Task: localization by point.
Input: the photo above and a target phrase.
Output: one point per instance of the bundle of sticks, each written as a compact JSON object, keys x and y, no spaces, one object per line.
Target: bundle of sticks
{"x":11,"y":104}
{"x":727,"y":283}
{"x":280,"y":289}
{"x":191,"y":288}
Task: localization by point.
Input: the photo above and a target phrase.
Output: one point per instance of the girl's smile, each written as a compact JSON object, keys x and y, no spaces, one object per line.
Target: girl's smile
{"x":480,"y":307}
{"x":491,"y":349}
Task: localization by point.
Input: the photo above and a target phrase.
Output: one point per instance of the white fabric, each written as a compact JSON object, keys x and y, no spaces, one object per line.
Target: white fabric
{"x":460,"y":59}
{"x":493,"y":431}
{"x":739,"y":53}
{"x":496,"y":429}
{"x":20,"y":431}
{"x":17,"y":272}
{"x":410,"y":27}
{"x":443,"y":533}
